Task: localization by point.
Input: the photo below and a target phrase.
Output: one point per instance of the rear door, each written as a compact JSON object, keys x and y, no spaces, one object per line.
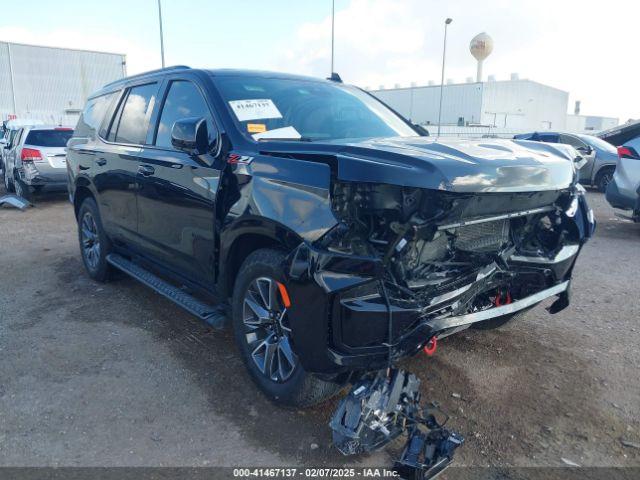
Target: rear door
{"x":117,"y":161}
{"x":176,"y":200}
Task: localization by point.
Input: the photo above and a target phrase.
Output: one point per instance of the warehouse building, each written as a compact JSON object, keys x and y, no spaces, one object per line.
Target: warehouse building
{"x":52,"y":84}
{"x":512,"y":104}
{"x":490,"y":108}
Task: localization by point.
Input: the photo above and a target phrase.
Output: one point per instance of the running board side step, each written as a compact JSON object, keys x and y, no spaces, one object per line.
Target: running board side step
{"x":214,"y":315}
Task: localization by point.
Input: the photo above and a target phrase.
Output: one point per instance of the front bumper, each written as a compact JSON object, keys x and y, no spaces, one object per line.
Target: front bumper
{"x":625,"y":202}
{"x":343,"y":324}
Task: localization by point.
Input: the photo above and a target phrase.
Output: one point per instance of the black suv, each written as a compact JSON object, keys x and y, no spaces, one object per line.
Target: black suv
{"x":333,"y":233}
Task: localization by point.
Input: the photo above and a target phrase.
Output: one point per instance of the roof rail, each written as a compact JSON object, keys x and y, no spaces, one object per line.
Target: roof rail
{"x":143,"y":74}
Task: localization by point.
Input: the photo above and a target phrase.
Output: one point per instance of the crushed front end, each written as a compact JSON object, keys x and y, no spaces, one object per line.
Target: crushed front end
{"x":405,"y":265}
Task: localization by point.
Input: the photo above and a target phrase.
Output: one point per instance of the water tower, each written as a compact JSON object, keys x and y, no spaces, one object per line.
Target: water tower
{"x":481,"y":47}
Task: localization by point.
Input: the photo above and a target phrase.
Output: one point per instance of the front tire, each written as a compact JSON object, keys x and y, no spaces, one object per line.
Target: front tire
{"x":94,"y":243}
{"x":262,"y":332}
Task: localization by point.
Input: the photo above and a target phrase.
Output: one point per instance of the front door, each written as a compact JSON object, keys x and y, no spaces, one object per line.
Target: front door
{"x":177,"y":191}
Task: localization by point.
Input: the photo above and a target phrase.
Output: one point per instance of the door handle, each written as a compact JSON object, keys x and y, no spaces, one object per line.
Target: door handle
{"x":146,"y":170}
{"x":101,"y":161}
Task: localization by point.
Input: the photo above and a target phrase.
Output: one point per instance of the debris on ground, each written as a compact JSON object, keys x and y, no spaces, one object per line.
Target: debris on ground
{"x":379,"y":409}
{"x":569,"y":462}
{"x":15,"y":201}
{"x":629,"y":444}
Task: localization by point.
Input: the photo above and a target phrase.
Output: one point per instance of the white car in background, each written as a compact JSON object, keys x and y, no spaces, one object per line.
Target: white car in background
{"x":36,"y":158}
{"x":7,"y":134}
{"x":624,"y":191}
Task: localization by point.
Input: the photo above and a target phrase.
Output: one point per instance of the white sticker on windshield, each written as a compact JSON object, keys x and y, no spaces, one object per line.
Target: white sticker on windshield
{"x":255,"y":109}
{"x":284,"y":133}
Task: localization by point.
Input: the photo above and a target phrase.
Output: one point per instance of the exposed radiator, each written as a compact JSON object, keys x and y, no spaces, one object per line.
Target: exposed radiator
{"x":483,"y":237}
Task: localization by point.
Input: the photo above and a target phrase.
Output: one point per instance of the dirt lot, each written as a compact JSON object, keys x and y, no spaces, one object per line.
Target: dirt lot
{"x":102,"y":375}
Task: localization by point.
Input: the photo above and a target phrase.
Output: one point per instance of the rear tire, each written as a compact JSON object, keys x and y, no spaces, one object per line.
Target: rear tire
{"x":604,"y":178}
{"x":94,"y":243}
{"x":23,"y":190}
{"x":296,"y":387}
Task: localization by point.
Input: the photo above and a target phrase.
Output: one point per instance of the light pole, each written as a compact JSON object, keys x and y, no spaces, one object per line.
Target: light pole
{"x":333,"y":14}
{"x":444,"y":54}
{"x":161,"y":36}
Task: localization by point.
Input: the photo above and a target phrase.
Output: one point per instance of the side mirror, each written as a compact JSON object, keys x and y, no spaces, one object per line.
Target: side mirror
{"x":586,"y":150}
{"x":191,"y":135}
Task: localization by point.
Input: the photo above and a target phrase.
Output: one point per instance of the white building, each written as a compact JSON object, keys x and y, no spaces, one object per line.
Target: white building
{"x":487,"y":108}
{"x":52,"y":84}
{"x":511,"y":104}
{"x":589,"y":123}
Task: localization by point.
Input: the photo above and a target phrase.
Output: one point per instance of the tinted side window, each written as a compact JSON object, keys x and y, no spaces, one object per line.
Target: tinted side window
{"x":184,"y":100}
{"x":134,"y":121}
{"x":549,"y":137}
{"x":12,"y":136}
{"x":18,"y":137}
{"x":573,"y":141}
{"x":93,"y":114}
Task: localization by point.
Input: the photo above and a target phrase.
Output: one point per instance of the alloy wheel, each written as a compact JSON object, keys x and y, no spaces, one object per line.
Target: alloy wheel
{"x":90,"y":240}
{"x":267,"y":330}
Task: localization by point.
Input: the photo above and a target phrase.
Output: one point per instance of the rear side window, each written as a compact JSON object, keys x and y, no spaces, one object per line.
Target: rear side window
{"x":549,"y":137}
{"x":184,"y":100}
{"x":49,"y":138}
{"x":93,"y":114}
{"x":136,"y":112}
{"x":573,"y":141}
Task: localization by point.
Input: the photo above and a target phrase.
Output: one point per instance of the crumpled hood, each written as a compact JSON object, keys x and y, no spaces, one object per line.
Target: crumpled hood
{"x":458,"y":165}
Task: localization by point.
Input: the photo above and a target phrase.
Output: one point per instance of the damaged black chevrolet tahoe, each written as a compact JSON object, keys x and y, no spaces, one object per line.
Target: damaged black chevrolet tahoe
{"x":335,"y":236}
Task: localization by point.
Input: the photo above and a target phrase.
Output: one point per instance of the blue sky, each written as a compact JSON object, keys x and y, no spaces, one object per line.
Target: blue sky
{"x":574,"y":45}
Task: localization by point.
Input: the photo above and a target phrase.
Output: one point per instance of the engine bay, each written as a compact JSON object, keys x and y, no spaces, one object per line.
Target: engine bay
{"x":434,"y":242}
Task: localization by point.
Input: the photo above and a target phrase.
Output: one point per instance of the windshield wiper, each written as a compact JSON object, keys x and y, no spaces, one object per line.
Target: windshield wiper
{"x":285,"y":139}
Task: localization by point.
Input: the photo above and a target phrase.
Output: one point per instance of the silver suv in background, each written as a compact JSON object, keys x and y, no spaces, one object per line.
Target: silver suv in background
{"x":35,"y":158}
{"x":624,"y":190}
{"x":601,"y":156}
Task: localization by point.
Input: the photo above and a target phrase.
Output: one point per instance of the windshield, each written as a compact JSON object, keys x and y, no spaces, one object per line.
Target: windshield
{"x":49,"y":138}
{"x":292,"y":109}
{"x":599,"y":143}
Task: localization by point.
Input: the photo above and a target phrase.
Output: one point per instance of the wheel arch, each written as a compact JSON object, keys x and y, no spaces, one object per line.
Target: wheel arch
{"x":245,"y":236}
{"x":602,"y":168}
{"x":81,"y":192}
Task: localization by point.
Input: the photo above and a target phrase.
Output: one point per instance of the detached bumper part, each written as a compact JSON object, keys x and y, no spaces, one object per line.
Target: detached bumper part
{"x":381,"y":408}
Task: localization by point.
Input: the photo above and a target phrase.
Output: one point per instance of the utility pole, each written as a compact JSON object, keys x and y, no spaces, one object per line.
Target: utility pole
{"x":444,"y":54}
{"x":161,"y":35}
{"x":333,"y":15}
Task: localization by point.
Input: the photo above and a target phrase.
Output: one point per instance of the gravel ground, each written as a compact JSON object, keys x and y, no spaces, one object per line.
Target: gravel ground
{"x":105,"y":375}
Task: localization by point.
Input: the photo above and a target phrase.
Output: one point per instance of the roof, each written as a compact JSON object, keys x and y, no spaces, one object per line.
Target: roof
{"x":232,"y":72}
{"x":220,"y":72}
